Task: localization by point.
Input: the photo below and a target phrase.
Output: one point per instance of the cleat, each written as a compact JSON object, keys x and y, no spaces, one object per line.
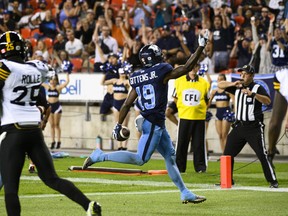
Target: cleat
{"x":94,"y":209}
{"x":88,"y":162}
{"x":31,"y":169}
{"x":94,"y":157}
{"x":274,"y":184}
{"x":198,"y":199}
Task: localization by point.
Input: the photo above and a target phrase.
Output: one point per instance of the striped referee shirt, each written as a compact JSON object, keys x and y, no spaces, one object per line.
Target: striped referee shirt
{"x":247,"y":107}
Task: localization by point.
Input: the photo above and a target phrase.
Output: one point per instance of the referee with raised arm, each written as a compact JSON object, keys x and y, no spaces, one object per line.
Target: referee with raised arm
{"x":249,"y":126}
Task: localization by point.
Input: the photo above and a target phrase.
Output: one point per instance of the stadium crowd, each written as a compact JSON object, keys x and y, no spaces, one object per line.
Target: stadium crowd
{"x":86,"y":32}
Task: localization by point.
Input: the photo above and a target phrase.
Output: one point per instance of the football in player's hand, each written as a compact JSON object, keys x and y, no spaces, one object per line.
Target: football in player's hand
{"x":124,"y":133}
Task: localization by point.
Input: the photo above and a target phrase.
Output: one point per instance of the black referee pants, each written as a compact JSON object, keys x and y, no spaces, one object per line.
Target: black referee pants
{"x":193,"y":130}
{"x":13,"y":151}
{"x":252,"y":134}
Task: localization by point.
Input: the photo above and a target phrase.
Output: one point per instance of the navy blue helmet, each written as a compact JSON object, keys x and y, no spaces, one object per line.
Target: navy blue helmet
{"x":150,"y":55}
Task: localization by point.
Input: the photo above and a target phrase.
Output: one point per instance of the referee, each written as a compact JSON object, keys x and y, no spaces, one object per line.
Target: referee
{"x":249,"y":127}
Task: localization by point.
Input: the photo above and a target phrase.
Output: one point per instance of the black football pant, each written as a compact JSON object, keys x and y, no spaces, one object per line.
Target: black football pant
{"x":253,"y":135}
{"x":194,"y":129}
{"x":13,"y":150}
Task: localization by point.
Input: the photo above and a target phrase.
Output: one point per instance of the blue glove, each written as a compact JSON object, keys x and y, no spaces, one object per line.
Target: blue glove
{"x":116,"y":131}
{"x":67,"y":66}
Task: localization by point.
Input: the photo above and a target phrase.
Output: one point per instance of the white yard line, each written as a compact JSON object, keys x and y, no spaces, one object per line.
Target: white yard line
{"x":203,"y":187}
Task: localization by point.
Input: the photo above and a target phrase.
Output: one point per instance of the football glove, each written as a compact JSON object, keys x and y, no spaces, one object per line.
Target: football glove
{"x":116,"y":131}
{"x":203,"y":39}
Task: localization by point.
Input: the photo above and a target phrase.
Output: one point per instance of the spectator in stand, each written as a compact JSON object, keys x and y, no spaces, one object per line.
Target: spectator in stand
{"x":83,"y":32}
{"x":101,"y":21}
{"x":254,"y":5}
{"x":38,"y":55}
{"x":191,"y":9}
{"x":260,"y":51}
{"x":59,"y":42}
{"x":42,"y":13}
{"x":48,"y":26}
{"x":73,"y":46}
{"x":163,"y":14}
{"x":70,"y":12}
{"x":189,"y":36}
{"x":168,"y":43}
{"x":98,"y":9}
{"x":67,"y":25}
{"x":111,"y":13}
{"x":241,"y":50}
{"x":264,"y":20}
{"x":277,"y":8}
{"x":29,"y":49}
{"x":107,"y":43}
{"x":6,"y":23}
{"x":247,"y":17}
{"x":223,"y":109}
{"x":16,"y":14}
{"x":220,"y":42}
{"x":116,"y":31}
{"x":25,"y":21}
{"x":84,"y":7}
{"x":41,"y":46}
{"x":138,"y":12}
{"x":90,"y":16}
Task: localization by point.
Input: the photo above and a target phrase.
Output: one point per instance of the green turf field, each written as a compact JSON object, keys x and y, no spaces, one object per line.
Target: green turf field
{"x":122,"y":195}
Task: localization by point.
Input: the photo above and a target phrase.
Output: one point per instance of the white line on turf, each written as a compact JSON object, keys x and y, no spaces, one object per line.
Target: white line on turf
{"x":161,"y":184}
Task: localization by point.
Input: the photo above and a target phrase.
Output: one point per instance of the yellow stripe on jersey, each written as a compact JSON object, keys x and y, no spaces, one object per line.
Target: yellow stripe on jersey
{"x":8,"y":40}
{"x":4,"y":71}
{"x":276,"y":85}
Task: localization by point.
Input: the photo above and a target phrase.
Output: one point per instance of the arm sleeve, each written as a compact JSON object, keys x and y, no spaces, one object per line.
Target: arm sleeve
{"x":4,"y":72}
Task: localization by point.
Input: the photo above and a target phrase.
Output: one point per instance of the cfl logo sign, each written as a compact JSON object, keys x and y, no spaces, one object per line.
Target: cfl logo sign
{"x":191,"y":97}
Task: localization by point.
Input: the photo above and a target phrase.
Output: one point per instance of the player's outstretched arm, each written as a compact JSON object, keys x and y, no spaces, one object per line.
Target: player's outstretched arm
{"x":192,"y":61}
{"x":126,"y":106}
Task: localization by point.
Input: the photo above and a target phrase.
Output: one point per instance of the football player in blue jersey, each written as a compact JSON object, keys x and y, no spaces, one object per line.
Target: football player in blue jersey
{"x":150,"y":86}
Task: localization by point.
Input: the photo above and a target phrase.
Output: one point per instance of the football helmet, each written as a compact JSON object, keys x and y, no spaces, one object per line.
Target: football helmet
{"x":12,"y":44}
{"x":150,"y":55}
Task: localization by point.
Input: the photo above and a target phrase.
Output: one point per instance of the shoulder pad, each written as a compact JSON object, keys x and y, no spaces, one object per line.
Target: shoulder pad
{"x":43,"y":67}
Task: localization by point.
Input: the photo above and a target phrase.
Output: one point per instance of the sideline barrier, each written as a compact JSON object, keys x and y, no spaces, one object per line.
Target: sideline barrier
{"x":85,"y":87}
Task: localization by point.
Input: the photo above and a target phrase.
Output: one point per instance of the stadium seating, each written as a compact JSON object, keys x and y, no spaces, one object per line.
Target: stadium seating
{"x":34,"y":31}
{"x":25,"y":33}
{"x":33,"y":41}
{"x":239,"y":20}
{"x":48,"y":42}
{"x":77,"y":64}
